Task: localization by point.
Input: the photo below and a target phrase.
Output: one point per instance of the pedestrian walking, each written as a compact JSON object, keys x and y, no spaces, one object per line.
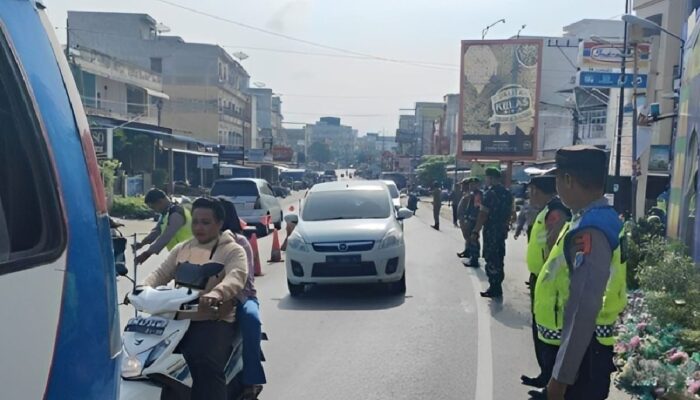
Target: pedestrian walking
{"x":542,"y":234}
{"x":455,"y":198}
{"x":526,"y":217}
{"x":469,"y":211}
{"x":173,"y":225}
{"x":437,"y":203}
{"x":581,"y":289}
{"x":494,"y":217}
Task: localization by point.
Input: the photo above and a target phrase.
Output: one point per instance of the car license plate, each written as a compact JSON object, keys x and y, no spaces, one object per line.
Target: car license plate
{"x":344,"y":259}
{"x":148,"y":326}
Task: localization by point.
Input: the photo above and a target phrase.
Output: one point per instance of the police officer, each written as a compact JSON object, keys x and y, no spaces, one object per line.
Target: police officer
{"x":437,"y":203}
{"x":172,"y":228}
{"x":494,"y":217}
{"x":468,"y":212}
{"x":581,"y":289}
{"x":542,"y":235}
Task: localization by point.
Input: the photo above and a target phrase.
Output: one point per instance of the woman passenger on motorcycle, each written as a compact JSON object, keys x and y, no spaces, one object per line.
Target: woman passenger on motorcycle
{"x":207,"y":344}
{"x":247,"y":312}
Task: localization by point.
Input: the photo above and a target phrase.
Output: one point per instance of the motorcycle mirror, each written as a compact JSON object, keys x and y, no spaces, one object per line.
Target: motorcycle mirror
{"x":121,"y":268}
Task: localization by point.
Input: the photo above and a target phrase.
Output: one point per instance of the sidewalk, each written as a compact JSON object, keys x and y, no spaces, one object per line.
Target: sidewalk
{"x":446,"y":214}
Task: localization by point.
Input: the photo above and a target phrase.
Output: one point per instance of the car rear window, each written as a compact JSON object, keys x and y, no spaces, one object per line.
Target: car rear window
{"x":347,"y":204}
{"x":234,"y":188}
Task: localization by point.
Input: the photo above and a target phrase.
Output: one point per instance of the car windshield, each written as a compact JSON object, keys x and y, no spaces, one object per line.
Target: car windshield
{"x":235,"y":189}
{"x":346,"y":204}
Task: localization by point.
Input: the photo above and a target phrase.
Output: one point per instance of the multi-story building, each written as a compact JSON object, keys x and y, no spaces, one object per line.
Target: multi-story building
{"x":450,"y":121}
{"x":426,"y":115}
{"x":406,"y":135}
{"x":341,"y":139}
{"x":664,"y":76}
{"x":205,"y":84}
{"x":267,"y":124}
{"x":124,"y":103}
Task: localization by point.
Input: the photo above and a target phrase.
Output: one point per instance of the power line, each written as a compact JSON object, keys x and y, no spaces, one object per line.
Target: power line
{"x":304,"y":41}
{"x":437,"y":66}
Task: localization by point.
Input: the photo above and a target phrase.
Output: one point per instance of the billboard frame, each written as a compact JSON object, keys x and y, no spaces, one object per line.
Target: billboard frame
{"x":474,"y":156}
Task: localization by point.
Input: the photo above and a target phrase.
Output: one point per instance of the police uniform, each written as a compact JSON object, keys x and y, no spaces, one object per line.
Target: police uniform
{"x":498,"y":203}
{"x":468,"y":211}
{"x":581,"y":289}
{"x":542,"y":235}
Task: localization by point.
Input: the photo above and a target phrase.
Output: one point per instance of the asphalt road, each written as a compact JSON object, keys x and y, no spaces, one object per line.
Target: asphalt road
{"x":439,"y":341}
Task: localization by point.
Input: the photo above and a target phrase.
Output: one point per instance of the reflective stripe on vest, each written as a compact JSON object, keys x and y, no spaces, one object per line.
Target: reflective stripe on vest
{"x":537,"y":244}
{"x":183,"y":234}
{"x":552,"y":294}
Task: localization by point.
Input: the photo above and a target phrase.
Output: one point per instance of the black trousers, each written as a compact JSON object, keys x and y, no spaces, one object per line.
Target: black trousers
{"x":206,"y":347}
{"x":454,"y":214}
{"x":593,"y":381}
{"x":494,"y":254}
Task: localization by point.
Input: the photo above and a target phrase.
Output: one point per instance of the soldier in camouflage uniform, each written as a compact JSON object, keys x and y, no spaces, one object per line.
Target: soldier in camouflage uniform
{"x":494,"y":218}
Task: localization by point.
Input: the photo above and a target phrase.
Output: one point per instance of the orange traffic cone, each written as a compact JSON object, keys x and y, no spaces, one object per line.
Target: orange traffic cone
{"x":256,"y":255}
{"x":276,"y":253}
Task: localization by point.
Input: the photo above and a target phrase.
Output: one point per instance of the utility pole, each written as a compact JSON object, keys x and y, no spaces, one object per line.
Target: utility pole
{"x":621,"y":116}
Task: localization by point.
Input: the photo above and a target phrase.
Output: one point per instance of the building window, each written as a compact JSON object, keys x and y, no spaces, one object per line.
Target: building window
{"x":135,"y":100}
{"x":32,"y":230}
{"x":157,"y":64}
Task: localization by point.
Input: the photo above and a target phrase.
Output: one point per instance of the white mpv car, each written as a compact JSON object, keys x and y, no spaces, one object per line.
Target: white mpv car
{"x":348,"y":232}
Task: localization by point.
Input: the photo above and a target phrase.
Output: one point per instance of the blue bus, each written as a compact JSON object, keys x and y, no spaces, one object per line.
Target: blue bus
{"x":60,"y":335}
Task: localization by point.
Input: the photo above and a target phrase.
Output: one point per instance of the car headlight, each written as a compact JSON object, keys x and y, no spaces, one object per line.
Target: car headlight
{"x":297,"y":243}
{"x":391,"y":239}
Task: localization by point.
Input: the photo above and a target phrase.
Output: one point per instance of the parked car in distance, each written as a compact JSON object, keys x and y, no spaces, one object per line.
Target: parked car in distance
{"x":253,"y":199}
{"x":394,"y":192}
{"x":347,"y":233}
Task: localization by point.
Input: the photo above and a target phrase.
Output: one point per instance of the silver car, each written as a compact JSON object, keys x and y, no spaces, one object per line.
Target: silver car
{"x":254,"y":200}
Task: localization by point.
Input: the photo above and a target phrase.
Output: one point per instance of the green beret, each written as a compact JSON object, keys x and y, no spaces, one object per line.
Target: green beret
{"x":493,"y":172}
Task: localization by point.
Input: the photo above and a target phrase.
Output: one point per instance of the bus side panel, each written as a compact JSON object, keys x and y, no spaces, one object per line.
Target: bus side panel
{"x":84,"y":365}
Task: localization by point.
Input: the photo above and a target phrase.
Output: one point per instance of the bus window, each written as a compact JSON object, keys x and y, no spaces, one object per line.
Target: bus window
{"x":31,"y":228}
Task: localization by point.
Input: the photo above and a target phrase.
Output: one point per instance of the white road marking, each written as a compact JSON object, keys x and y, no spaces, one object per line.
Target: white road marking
{"x":484,"y":366}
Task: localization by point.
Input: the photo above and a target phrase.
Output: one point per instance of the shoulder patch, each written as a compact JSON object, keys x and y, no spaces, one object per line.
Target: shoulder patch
{"x":582,"y":243}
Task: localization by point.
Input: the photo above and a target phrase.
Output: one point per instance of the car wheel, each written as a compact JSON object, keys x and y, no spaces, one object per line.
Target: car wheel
{"x":295,"y":290}
{"x":398,"y":288}
{"x":262,"y":230}
{"x":278,"y":225}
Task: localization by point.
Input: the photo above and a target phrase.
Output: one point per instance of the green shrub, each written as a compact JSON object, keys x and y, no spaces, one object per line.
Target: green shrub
{"x":130,"y":208}
{"x":672,"y":284}
{"x":640,"y":238}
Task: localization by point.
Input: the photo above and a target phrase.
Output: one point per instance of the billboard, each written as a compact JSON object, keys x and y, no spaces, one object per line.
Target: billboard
{"x":282,"y":153}
{"x":499,"y":99}
{"x":604,"y":56}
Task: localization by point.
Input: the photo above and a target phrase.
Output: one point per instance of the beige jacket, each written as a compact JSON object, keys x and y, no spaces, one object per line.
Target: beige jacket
{"x":228,"y":284}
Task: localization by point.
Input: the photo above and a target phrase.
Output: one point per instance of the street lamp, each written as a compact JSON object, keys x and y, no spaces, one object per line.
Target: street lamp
{"x":486,"y":30}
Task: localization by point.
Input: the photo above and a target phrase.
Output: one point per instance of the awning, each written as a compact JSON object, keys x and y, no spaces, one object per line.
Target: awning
{"x":134,"y":126}
{"x":155,"y":93}
{"x":196,"y":153}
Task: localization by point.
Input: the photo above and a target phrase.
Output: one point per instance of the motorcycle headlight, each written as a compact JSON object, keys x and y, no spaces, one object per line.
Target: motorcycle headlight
{"x":391,"y":239}
{"x":131,"y":366}
{"x":296,"y":242}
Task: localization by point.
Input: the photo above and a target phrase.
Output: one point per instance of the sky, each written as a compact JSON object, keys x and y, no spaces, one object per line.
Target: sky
{"x":367,"y":58}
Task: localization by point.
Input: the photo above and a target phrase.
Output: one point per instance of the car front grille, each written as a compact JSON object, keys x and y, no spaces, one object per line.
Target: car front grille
{"x":326,"y":270}
{"x":343,"y":247}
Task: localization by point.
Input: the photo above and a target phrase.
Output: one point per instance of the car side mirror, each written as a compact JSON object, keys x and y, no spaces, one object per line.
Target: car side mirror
{"x":291,"y":218}
{"x":404,"y":213}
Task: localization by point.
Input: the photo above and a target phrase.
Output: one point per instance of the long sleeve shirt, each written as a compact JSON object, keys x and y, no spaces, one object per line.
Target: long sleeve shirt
{"x":228,"y":284}
{"x":589,"y":267}
{"x":249,"y":289}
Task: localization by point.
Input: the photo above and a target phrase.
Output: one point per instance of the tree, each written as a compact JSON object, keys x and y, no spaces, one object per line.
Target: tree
{"x":320,"y":152}
{"x":431,"y":170}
